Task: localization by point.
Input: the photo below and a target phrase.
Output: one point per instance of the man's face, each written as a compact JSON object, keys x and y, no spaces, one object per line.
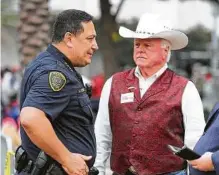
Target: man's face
{"x":84,"y":45}
{"x":148,"y":53}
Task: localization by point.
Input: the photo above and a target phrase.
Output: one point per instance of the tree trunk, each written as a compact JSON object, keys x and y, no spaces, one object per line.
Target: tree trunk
{"x":33,"y":28}
{"x":106,"y":43}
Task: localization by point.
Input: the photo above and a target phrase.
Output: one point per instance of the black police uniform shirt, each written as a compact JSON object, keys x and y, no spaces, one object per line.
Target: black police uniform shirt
{"x":51,"y":84}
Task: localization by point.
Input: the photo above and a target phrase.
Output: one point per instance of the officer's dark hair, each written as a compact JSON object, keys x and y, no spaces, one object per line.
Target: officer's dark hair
{"x":69,"y":21}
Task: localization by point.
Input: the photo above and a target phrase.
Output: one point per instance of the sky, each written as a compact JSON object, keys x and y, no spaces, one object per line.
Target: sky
{"x":183,"y":15}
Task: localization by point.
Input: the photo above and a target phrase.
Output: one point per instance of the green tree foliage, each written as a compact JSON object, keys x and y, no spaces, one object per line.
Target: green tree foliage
{"x":199,"y":38}
{"x":8,"y":16}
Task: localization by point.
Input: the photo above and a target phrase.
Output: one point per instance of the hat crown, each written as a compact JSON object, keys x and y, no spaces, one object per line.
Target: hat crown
{"x":152,"y":23}
{"x":153,"y":26}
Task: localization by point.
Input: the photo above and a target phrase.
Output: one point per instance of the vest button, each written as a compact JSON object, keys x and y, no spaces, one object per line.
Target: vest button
{"x":132,"y":148}
{"x":136,"y":122}
{"x":134,"y":135}
{"x":139,"y":108}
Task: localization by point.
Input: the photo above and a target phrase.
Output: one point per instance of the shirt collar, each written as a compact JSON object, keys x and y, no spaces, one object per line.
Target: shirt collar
{"x":156,"y":75}
{"x":59,"y":55}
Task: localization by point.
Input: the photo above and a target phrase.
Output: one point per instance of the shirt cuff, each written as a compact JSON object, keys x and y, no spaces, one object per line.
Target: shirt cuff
{"x":215,"y":160}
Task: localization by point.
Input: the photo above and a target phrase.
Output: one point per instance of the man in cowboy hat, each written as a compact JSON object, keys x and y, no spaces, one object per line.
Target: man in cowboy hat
{"x":144,"y":109}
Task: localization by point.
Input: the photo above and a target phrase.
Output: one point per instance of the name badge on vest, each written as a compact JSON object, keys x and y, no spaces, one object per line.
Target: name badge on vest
{"x":127,"y":97}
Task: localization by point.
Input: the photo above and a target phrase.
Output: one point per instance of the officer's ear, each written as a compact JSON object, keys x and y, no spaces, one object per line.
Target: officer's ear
{"x":68,"y":39}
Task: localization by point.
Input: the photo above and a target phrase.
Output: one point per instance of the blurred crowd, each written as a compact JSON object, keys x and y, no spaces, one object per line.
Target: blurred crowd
{"x":207,"y":84}
{"x":10,"y":85}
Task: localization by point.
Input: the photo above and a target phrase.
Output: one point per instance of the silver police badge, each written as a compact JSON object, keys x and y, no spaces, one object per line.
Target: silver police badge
{"x":56,"y":80}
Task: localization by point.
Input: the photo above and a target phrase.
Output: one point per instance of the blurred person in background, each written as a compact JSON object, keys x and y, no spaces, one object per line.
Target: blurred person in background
{"x":198,"y":77}
{"x":56,"y":116}
{"x":210,"y":89}
{"x":7,"y":89}
{"x":97,"y":86}
{"x":10,"y":85}
{"x":208,"y":147}
{"x":145,"y":108}
{"x":10,"y":128}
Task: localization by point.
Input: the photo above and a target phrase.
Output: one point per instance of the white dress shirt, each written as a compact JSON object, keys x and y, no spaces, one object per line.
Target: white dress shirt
{"x":192,"y":109}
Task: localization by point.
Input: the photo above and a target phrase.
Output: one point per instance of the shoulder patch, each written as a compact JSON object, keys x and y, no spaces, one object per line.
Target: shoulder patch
{"x":57,"y":80}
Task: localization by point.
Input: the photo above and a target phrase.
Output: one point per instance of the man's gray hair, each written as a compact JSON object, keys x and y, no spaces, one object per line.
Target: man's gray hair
{"x":164,"y":44}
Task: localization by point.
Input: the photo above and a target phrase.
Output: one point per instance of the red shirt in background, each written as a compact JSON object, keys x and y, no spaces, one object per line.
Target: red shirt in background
{"x":97,"y":85}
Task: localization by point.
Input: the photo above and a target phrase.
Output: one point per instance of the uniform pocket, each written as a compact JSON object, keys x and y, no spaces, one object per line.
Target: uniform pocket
{"x":85,"y":105}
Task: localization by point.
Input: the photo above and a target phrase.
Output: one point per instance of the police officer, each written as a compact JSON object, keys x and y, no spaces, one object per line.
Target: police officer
{"x":56,"y":115}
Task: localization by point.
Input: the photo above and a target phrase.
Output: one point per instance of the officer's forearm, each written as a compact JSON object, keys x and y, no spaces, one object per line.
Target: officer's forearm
{"x":41,"y":133}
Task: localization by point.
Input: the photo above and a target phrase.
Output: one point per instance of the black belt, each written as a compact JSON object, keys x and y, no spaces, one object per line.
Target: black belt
{"x":44,"y":165}
{"x":52,"y":170}
{"x":57,"y":170}
{"x":29,"y":167}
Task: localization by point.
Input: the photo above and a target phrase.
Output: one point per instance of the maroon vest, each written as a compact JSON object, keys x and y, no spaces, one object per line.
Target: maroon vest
{"x":142,"y":129}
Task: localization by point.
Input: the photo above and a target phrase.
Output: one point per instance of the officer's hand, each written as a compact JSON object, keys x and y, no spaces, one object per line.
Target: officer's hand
{"x":76,"y":165}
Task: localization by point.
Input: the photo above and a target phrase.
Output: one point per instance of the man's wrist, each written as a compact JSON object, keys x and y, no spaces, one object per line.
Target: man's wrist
{"x":63,"y":156}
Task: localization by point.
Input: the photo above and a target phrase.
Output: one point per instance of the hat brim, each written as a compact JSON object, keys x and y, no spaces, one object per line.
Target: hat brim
{"x":177,"y":39}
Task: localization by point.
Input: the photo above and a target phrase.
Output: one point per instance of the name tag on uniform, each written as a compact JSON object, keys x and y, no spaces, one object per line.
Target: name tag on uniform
{"x":127,"y":97}
{"x":82,"y":90}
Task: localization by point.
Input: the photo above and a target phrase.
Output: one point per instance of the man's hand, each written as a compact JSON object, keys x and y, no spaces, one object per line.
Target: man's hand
{"x":204,"y":163}
{"x":76,"y":165}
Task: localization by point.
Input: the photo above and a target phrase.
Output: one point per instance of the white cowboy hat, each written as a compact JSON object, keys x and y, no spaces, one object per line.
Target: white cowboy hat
{"x":152,"y":26}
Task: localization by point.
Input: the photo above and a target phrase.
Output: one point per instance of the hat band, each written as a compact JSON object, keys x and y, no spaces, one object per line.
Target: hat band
{"x":150,"y":33}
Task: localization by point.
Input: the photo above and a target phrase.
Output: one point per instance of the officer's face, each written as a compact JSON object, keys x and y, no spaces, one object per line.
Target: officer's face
{"x":83,"y":45}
